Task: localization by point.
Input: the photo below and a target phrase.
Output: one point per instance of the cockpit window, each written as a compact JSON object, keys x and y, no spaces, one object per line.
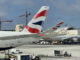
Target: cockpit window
{"x":70,"y":28}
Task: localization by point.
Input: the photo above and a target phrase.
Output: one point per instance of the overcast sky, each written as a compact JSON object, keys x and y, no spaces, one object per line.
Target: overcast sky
{"x":66,"y":10}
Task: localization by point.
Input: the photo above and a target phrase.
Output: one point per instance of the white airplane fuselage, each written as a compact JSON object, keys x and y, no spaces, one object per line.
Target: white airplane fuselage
{"x":14,"y":39}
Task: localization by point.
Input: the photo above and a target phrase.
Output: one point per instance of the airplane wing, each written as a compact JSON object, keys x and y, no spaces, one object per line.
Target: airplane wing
{"x":63,"y":37}
{"x":19,"y":36}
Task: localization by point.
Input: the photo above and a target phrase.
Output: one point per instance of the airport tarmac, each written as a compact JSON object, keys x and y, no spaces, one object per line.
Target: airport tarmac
{"x":48,"y":50}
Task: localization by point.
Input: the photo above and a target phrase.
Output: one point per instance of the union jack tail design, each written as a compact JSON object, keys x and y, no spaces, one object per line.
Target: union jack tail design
{"x":35,"y":25}
{"x":58,"y":25}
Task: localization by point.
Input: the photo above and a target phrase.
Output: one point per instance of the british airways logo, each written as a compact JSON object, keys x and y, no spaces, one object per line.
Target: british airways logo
{"x":38,"y":23}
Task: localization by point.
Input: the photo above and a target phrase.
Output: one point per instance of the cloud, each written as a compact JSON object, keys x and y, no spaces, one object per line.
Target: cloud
{"x":67,"y":5}
{"x":4,"y":9}
{"x":28,"y":3}
{"x":7,"y":5}
{"x":3,"y":13}
{"x":2,"y":1}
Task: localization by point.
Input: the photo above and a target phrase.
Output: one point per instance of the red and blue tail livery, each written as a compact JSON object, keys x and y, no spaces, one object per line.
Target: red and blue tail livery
{"x":35,"y":25}
{"x":58,"y":25}
{"x":42,"y":13}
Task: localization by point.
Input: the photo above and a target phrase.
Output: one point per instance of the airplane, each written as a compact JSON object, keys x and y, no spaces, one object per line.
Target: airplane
{"x":52,"y":29}
{"x":29,"y":34}
{"x":59,"y":34}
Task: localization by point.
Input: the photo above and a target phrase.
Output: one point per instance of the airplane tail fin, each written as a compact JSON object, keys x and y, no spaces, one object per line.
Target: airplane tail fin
{"x":35,"y":25}
{"x":58,"y":25}
{"x":55,"y":27}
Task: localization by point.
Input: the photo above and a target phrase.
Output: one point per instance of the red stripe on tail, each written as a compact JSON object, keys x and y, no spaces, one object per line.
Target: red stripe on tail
{"x":42,"y":13}
{"x":32,"y":30}
{"x":60,"y":23}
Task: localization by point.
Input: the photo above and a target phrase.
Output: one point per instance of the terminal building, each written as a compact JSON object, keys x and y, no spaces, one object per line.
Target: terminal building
{"x":73,"y":32}
{"x":19,"y":27}
{"x":68,"y":31}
